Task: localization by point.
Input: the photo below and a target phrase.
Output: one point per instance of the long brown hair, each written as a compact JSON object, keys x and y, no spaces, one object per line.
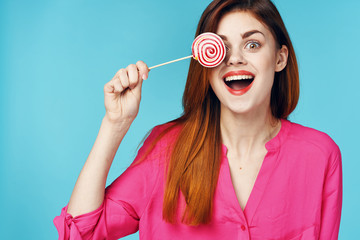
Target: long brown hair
{"x":195,"y":159}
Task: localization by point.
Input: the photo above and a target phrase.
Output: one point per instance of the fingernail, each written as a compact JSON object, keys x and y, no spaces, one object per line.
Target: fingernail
{"x":144,"y":76}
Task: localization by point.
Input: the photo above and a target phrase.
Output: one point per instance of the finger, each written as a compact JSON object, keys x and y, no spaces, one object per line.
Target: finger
{"x":143,"y":74}
{"x":114,"y":85}
{"x":124,"y":79}
{"x":143,"y":69}
{"x":133,"y":75}
{"x":109,"y":87}
{"x":118,"y":88}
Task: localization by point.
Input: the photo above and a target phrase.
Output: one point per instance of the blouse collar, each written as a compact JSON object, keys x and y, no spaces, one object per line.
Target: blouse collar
{"x":274,"y":143}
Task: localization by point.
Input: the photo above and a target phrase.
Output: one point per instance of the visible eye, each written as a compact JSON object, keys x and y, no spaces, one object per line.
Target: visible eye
{"x":252,"y":45}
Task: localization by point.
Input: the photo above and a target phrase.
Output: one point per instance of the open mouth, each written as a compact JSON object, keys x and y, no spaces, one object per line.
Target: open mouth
{"x":239,"y":82}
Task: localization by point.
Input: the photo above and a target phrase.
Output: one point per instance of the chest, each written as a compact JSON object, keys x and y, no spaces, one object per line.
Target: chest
{"x":243,"y":177}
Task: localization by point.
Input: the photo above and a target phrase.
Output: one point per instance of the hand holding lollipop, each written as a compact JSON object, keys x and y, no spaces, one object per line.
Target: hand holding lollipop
{"x":123,"y":92}
{"x":207,"y":48}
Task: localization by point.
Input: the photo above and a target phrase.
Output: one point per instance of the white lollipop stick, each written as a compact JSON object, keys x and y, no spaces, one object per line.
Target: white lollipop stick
{"x":176,"y":60}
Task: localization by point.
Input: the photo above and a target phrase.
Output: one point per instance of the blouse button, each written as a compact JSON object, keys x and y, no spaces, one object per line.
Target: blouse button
{"x":243,"y":227}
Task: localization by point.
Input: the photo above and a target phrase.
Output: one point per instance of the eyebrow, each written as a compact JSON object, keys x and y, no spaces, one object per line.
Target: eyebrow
{"x":245,"y":35}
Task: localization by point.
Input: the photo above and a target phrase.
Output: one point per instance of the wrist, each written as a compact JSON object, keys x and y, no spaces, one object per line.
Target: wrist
{"x":116,"y":125}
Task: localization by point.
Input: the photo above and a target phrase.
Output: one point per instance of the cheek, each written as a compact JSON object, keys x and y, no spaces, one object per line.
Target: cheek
{"x":264,"y":65}
{"x":265,"y":62}
{"x":215,"y":85}
{"x":213,"y":78}
{"x":265,"y":69}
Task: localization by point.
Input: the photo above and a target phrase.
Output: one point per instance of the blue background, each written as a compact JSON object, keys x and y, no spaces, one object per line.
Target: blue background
{"x":56,"y":56}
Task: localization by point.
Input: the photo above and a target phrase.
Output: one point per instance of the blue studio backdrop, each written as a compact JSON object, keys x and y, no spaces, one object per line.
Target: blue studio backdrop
{"x":56,"y":57}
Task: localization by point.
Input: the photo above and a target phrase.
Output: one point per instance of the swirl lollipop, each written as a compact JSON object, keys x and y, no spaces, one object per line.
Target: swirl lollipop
{"x":207,"y":48}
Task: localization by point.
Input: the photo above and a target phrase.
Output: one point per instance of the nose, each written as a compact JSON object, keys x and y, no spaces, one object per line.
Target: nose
{"x":235,"y":57}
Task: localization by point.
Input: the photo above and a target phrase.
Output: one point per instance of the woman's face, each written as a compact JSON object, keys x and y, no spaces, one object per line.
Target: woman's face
{"x":243,"y":81}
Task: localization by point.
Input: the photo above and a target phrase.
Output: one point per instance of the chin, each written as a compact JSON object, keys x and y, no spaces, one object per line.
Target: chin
{"x":245,"y":107}
{"x":236,"y":108}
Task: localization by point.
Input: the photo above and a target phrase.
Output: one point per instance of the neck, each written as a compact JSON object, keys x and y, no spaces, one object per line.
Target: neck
{"x":244,"y":133}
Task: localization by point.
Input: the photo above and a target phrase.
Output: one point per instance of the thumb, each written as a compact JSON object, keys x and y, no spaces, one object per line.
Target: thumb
{"x":137,"y":89}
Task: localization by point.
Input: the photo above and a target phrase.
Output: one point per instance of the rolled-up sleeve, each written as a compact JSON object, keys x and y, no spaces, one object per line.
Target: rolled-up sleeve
{"x":124,"y":202}
{"x":332,"y":198}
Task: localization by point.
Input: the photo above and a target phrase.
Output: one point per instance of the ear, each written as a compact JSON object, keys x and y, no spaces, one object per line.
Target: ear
{"x":281,"y":58}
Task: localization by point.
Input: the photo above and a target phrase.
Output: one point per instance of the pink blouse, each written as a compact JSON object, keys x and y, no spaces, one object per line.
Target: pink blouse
{"x":297,"y":195}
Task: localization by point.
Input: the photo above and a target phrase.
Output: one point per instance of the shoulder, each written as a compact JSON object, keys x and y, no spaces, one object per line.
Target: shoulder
{"x":159,"y":140}
{"x":165,"y":133}
{"x":311,"y":139}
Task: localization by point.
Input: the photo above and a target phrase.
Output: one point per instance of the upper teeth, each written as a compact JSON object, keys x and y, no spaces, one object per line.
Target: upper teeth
{"x":238,"y":77}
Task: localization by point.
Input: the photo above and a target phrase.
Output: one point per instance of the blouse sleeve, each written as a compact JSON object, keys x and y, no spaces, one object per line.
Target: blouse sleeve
{"x":124,"y":202}
{"x":332,"y":199}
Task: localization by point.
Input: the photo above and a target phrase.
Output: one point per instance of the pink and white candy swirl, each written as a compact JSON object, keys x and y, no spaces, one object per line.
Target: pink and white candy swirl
{"x":209,"y":49}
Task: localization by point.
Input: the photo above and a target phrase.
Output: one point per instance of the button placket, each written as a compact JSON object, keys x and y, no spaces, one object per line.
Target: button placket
{"x":243,"y":231}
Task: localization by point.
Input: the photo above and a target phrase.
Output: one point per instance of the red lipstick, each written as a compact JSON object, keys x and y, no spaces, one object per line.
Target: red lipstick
{"x":235,"y":73}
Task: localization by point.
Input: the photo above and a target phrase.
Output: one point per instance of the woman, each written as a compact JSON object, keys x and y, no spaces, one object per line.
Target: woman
{"x":232,"y":167}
